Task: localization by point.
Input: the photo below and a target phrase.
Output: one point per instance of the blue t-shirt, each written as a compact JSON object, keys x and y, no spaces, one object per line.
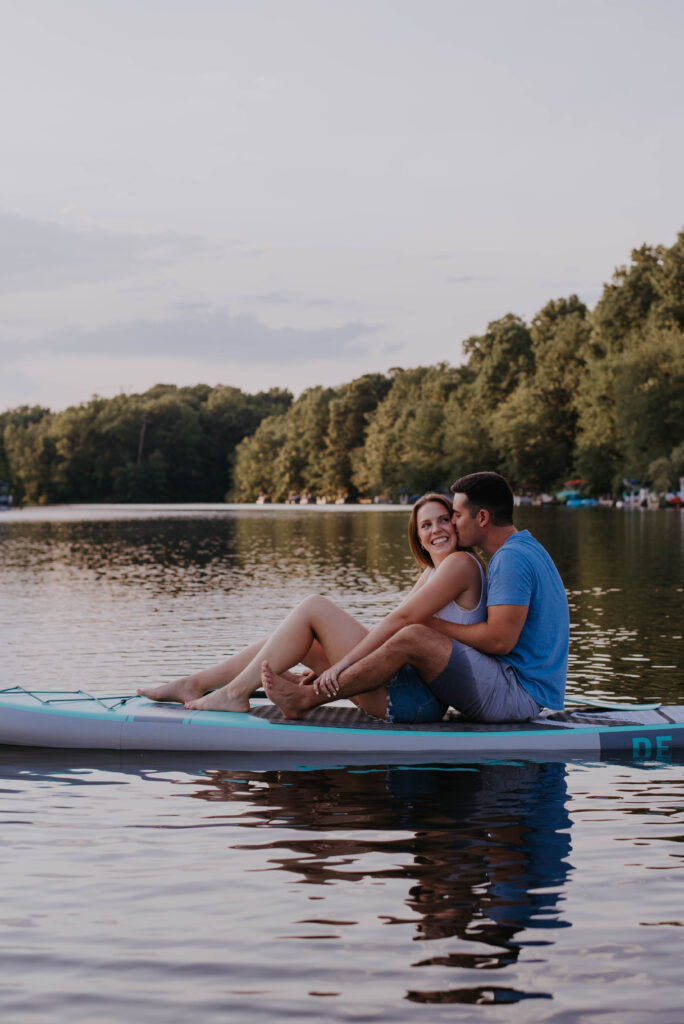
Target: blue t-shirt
{"x":522,"y":572}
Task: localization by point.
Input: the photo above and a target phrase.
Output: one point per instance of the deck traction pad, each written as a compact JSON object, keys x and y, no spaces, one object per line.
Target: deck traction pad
{"x":354,"y":718}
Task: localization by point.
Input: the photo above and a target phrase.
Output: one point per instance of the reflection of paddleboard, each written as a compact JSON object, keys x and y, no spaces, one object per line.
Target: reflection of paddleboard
{"x":73,"y":719}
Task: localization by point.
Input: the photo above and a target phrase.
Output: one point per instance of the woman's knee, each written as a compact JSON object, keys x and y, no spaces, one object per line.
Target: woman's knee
{"x":314,"y":608}
{"x":311,"y":604}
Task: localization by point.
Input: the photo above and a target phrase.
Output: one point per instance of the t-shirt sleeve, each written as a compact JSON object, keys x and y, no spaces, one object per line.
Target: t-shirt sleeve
{"x":510,"y":579}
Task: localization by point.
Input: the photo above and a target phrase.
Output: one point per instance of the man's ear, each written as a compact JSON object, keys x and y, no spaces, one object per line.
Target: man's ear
{"x":483,"y":517}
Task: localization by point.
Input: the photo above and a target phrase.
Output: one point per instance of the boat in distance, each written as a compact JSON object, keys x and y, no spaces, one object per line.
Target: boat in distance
{"x":79,"y":720}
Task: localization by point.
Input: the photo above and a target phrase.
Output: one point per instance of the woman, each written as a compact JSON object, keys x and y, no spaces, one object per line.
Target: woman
{"x":326,"y":639}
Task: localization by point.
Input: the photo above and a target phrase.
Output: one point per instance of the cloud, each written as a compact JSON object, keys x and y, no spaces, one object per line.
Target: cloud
{"x":206,"y":335}
{"x":14,"y":378}
{"x":37,"y":254}
{"x":471,"y":279}
{"x":287,"y":299}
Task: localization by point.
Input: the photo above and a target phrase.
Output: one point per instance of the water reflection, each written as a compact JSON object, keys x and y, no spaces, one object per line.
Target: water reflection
{"x":119,"y":603}
{"x":322,"y":550}
{"x":624,"y":574}
{"x":203,"y":886}
{"x":484,"y":850}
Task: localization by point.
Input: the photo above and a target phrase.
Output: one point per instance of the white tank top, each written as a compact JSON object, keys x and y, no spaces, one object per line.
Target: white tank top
{"x":453,"y":612}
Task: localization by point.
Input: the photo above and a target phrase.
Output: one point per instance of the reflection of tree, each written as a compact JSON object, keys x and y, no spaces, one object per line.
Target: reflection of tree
{"x":489,"y":845}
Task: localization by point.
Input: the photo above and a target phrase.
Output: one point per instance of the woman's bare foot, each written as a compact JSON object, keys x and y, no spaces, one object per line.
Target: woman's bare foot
{"x":192,"y":688}
{"x":292,"y":698}
{"x":180,"y":690}
{"x":219,"y":700}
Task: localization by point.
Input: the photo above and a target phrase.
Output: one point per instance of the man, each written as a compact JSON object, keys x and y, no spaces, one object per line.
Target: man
{"x":504,"y":669}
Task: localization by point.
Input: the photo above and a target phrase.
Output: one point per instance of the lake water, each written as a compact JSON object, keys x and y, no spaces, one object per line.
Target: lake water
{"x":162,"y":888}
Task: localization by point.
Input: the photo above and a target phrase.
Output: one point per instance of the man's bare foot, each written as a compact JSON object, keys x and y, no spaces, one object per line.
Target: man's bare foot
{"x":300,"y":678}
{"x":293,"y":699}
{"x":219,"y":700}
{"x":294,"y":677}
{"x":180,"y":690}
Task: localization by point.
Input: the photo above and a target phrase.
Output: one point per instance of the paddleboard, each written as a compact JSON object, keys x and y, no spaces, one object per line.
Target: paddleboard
{"x":79,"y":720}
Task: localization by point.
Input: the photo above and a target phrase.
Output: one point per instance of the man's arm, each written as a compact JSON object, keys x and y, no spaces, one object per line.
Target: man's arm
{"x":497,"y":635}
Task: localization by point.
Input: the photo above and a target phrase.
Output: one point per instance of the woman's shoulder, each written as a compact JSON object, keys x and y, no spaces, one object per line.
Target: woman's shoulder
{"x":461,"y":561}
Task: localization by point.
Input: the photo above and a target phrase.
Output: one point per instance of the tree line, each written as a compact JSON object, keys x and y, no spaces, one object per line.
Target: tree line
{"x":596,"y":395}
{"x":167,"y":444}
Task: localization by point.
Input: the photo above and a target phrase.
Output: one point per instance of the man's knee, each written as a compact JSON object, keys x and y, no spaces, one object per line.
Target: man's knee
{"x":424,"y":648}
{"x":417,"y":638}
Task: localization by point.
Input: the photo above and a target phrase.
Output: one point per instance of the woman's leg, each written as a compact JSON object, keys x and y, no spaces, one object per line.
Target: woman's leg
{"x":374,"y":702}
{"x":417,"y":645}
{"x":194,"y":686}
{"x":316,"y":618}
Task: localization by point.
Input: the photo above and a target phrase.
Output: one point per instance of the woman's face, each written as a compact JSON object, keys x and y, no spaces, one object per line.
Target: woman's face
{"x":436,"y":532}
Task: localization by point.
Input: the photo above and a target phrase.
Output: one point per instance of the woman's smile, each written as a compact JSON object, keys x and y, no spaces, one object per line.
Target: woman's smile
{"x":436,"y":531}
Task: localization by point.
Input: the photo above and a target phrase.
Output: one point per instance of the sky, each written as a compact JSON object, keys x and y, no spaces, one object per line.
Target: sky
{"x":285,"y":193}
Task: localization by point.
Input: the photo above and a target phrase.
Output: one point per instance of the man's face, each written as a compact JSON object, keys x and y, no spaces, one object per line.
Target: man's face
{"x":467,"y":524}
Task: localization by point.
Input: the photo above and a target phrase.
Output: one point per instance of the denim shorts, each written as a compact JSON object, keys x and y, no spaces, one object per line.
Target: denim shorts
{"x":411,"y":700}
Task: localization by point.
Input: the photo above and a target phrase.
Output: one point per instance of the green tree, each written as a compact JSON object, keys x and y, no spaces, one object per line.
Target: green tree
{"x":167,"y":444}
{"x":350,"y":409}
{"x":499,"y":360}
{"x":142,"y":482}
{"x":631,"y":408}
{"x":627,"y":301}
{"x":404,"y":447}
{"x":530,"y":453}
{"x":32,"y":457}
{"x":670,"y":305}
{"x":664,"y":473}
{"x":226,"y":417}
{"x":649,"y":397}
{"x":467,"y":444}
{"x":256,"y":458}
{"x":299,"y":465}
{"x":535,"y":427}
{"x":13,"y":423}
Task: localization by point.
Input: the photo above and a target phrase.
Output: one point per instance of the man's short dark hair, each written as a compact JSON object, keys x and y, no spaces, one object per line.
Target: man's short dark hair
{"x":487,"y":490}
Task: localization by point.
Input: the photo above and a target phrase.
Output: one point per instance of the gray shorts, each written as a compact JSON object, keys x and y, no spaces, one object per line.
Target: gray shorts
{"x":483,"y":688}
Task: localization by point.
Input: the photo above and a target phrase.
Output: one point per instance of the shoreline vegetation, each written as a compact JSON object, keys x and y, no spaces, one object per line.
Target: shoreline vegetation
{"x":576,"y":400}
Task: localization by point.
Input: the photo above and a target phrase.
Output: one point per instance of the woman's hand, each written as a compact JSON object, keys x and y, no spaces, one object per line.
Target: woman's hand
{"x":327,"y":684}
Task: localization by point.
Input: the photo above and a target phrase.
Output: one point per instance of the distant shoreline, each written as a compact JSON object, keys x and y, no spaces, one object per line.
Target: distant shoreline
{"x":94,"y":512}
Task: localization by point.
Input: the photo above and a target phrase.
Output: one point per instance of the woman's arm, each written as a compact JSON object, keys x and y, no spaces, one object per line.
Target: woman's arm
{"x":455,"y":575}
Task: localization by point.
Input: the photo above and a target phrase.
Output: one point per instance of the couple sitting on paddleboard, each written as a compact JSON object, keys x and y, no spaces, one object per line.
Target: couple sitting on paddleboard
{"x":496,"y":650}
